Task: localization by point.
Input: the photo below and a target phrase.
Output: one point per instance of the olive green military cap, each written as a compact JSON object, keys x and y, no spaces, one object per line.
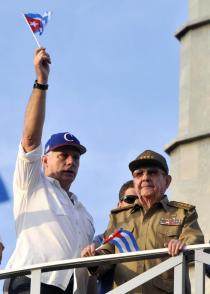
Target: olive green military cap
{"x":149,"y":158}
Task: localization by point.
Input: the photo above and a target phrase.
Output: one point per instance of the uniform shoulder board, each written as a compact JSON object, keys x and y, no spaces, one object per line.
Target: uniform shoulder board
{"x":119,"y":209}
{"x":182,"y":205}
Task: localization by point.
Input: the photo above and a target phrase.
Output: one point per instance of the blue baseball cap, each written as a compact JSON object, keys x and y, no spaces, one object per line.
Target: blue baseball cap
{"x":63,"y":139}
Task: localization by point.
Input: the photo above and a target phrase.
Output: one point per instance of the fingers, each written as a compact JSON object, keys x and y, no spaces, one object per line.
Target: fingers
{"x":90,"y":250}
{"x":41,"y":55}
{"x":175,"y":246}
{"x":41,"y":63}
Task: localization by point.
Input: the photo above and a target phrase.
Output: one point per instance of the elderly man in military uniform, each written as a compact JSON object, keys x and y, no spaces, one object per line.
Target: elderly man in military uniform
{"x":154,"y":221}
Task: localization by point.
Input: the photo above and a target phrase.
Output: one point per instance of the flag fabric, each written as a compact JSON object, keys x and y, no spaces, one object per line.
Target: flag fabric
{"x":123,"y":240}
{"x":4,"y":196}
{"x":37,"y":22}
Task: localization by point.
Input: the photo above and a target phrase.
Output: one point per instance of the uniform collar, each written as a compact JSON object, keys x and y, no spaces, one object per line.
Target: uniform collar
{"x":136,"y":206}
{"x":163,"y":202}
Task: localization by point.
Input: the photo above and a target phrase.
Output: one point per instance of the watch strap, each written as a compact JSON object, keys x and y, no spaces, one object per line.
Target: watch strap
{"x":40,"y":86}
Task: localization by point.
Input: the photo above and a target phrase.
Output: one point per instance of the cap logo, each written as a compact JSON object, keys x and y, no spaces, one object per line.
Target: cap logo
{"x":68,"y":137}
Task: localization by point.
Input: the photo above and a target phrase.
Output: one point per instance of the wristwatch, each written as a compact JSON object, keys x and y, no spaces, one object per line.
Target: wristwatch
{"x":40,"y":86}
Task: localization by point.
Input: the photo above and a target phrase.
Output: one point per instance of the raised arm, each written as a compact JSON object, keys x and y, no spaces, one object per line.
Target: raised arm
{"x":35,"y":110}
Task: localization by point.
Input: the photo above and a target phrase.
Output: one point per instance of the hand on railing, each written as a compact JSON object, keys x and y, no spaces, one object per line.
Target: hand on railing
{"x":175,"y":247}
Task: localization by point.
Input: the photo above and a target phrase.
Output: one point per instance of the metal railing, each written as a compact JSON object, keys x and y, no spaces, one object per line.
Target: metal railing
{"x":178,"y":263}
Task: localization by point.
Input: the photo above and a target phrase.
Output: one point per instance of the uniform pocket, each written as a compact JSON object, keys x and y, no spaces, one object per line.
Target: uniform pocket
{"x":166,"y":233}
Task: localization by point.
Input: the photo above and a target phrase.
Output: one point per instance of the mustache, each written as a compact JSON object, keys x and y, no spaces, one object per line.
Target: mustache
{"x":70,"y":171}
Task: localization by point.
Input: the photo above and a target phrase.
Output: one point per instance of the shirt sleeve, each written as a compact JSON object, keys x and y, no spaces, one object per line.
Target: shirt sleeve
{"x":27,"y":171}
{"x":98,"y":240}
{"x":191,"y":232}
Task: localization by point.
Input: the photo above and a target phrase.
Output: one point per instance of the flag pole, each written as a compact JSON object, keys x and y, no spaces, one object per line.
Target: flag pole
{"x":31,"y":31}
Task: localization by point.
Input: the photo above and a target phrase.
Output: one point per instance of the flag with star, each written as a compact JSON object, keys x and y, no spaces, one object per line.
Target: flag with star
{"x":123,"y":240}
{"x":37,"y":22}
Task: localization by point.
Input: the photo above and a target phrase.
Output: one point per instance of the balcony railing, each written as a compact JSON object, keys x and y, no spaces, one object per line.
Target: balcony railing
{"x":199,"y":252}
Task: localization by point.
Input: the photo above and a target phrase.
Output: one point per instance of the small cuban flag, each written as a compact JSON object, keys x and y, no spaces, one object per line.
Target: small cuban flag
{"x":37,"y":22}
{"x":123,"y":240}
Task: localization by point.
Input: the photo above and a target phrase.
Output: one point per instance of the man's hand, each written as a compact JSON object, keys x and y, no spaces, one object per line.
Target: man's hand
{"x":175,"y":246}
{"x":41,"y":64}
{"x":88,"y":251}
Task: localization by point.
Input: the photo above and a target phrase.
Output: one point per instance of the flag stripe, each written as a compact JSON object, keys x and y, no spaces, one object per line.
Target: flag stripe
{"x":119,"y":243}
{"x":123,"y":240}
{"x":131,"y":246}
{"x":132,"y":240}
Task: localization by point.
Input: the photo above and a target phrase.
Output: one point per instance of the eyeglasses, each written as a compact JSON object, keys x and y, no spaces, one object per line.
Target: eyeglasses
{"x":129,"y":198}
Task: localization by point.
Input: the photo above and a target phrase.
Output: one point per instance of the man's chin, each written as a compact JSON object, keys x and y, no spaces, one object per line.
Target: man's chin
{"x":69,"y":178}
{"x":147,"y":193}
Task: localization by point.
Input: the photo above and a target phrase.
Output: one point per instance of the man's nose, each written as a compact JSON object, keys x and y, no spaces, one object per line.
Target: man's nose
{"x":145,"y":175}
{"x":70,"y":160}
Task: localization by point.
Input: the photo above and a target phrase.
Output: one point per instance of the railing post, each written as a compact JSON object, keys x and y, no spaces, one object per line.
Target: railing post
{"x":179,"y":276}
{"x":35,"y":281}
{"x":199,"y":273}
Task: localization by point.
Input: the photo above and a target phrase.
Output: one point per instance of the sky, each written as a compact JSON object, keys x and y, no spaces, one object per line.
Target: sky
{"x":114,"y":83}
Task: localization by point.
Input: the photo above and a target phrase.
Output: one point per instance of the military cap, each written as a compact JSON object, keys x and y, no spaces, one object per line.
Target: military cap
{"x":149,"y":158}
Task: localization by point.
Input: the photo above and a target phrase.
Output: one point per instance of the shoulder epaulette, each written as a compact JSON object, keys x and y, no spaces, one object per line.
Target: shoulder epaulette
{"x":182,"y":205}
{"x":119,"y":209}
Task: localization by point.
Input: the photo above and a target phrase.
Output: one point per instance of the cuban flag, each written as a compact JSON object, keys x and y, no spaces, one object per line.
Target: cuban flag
{"x":37,"y":22}
{"x":4,"y":196}
{"x":123,"y":240}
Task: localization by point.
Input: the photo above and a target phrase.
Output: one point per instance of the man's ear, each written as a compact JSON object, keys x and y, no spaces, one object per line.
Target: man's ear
{"x":44,"y":160}
{"x":168,"y":180}
{"x":119,"y":204}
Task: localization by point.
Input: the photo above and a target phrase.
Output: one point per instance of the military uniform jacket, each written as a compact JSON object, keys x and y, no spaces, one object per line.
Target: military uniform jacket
{"x":153,"y":229}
